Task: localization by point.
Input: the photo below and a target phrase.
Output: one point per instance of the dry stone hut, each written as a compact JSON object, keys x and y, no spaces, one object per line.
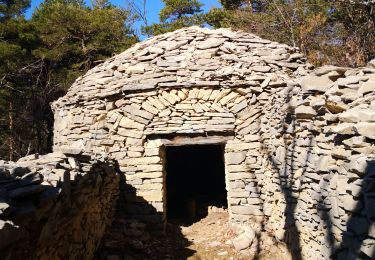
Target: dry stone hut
{"x":298,"y":145}
{"x":190,"y":87}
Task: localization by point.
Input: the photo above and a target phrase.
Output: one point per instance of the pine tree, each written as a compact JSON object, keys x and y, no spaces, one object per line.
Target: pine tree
{"x":40,"y":59}
{"x":177,"y":14}
{"x":12,"y":8}
{"x":231,"y":4}
{"x":15,"y":44}
{"x":334,"y":32}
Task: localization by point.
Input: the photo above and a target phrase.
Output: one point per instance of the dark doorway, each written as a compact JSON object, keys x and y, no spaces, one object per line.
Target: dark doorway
{"x":195,"y":181}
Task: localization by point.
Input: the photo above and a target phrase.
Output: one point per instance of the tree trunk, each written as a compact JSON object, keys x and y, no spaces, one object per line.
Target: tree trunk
{"x":11,"y":137}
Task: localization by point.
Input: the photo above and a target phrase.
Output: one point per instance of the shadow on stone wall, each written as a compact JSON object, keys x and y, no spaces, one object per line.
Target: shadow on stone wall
{"x":137,"y":231}
{"x":356,"y":239}
{"x":286,"y":182}
{"x":360,"y":225}
{"x":284,"y":166}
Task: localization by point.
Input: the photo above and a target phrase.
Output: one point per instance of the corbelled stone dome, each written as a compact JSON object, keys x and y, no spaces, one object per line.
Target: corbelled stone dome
{"x":189,"y":57}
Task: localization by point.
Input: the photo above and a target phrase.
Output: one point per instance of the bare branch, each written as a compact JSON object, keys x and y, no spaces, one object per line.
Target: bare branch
{"x":139,"y":8}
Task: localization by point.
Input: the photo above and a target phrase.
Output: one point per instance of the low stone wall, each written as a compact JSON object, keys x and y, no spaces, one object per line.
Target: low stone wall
{"x":55,"y":207}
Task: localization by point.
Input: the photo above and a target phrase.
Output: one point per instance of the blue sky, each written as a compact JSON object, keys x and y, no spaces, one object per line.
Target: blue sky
{"x":153,"y":7}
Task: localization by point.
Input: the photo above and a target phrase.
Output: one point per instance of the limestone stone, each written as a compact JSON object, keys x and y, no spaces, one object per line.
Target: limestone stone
{"x":244,"y":240}
{"x":371,"y":63}
{"x":235,"y":158}
{"x":344,"y":128}
{"x":3,"y":207}
{"x":131,"y":124}
{"x":210,"y":43}
{"x":366,"y":129}
{"x":367,"y":87}
{"x":316,"y":83}
{"x":261,"y":68}
{"x":139,"y":68}
{"x":247,"y":210}
{"x":305,"y":112}
{"x":348,"y":80}
{"x":367,"y":115}
{"x":330,"y":68}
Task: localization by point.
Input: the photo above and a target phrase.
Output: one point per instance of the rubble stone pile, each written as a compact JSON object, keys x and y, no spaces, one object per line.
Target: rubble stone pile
{"x":54,"y":206}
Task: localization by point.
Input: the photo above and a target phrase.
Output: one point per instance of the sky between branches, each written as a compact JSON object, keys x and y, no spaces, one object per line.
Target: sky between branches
{"x":153,"y":8}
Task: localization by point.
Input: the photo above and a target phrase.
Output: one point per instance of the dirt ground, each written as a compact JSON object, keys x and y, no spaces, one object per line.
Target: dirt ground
{"x":210,"y":238}
{"x":207,"y":239}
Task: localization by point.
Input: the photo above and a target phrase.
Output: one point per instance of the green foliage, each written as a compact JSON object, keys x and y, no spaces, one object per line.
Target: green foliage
{"x":335,"y":32}
{"x":12,"y":8}
{"x":177,"y":14}
{"x":41,"y":58}
{"x":176,"y":9}
{"x":231,"y":4}
{"x":76,"y":36}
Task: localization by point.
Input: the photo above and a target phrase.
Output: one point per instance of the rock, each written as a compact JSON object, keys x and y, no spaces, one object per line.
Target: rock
{"x":366,"y":129}
{"x":19,"y":171}
{"x":344,"y":129}
{"x":366,"y":115}
{"x":73,"y":162}
{"x":247,"y":210}
{"x":348,"y":80}
{"x":330,"y":68}
{"x":263,"y":69}
{"x":25,"y":191}
{"x":171,"y":45}
{"x":341,"y":153}
{"x":31,"y":178}
{"x":3,"y":207}
{"x":316,"y":83}
{"x":334,"y":107}
{"x":306,"y":147}
{"x":350,"y":116}
{"x":367,"y":87}
{"x":235,"y":158}
{"x":155,"y":50}
{"x":210,"y":43}
{"x":356,"y":141}
{"x":244,"y":240}
{"x":367,"y":247}
{"x":371,"y":64}
{"x":136,"y":69}
{"x":349,"y":204}
{"x":305,"y":112}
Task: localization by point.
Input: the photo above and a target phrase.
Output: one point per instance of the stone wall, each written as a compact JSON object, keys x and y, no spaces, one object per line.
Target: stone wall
{"x":55,"y":207}
{"x":317,"y":171}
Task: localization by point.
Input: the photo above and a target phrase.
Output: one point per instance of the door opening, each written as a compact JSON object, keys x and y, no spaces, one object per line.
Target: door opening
{"x":195,"y":180}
